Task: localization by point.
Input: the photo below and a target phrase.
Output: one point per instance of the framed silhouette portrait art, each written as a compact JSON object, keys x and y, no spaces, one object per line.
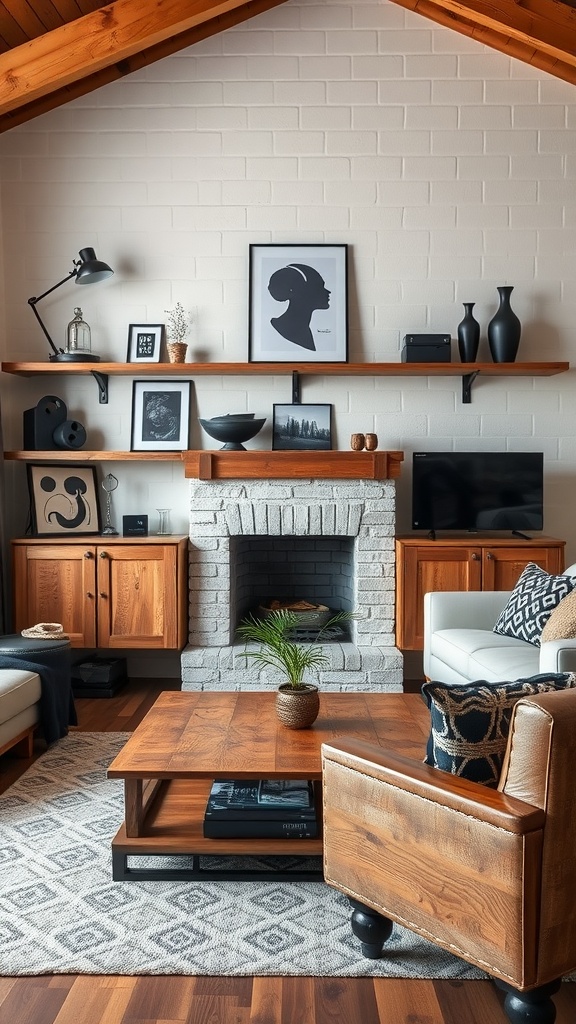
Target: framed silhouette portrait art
{"x":298,"y":304}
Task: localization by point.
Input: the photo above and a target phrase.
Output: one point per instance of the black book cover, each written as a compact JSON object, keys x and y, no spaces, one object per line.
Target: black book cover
{"x":261,"y":799}
{"x":225,"y":828}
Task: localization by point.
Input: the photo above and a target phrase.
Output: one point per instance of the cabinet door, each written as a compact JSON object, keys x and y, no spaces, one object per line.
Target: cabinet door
{"x":56,"y":583}
{"x":502,"y":566}
{"x":420,"y":569}
{"x":138,"y":588}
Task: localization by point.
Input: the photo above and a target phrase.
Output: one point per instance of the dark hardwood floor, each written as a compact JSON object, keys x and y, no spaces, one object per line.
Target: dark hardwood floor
{"x":88,"y":999}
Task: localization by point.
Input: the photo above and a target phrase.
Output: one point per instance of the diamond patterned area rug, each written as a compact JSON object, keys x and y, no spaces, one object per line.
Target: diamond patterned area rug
{"x":61,"y":913}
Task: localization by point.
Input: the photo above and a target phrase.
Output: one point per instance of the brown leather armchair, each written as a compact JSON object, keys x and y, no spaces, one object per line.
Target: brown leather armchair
{"x":490,"y":875}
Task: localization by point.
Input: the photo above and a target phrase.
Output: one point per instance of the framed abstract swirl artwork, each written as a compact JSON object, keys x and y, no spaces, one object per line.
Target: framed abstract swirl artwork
{"x":63,"y":500}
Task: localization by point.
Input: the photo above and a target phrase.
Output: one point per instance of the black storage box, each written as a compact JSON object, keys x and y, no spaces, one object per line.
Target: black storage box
{"x":427,"y":348}
{"x":99,"y":677}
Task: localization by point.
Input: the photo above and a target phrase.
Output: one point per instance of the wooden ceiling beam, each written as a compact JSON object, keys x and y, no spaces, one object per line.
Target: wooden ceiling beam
{"x":546,"y":29}
{"x":127,"y":35}
{"x":111,"y":35}
{"x":58,"y":96}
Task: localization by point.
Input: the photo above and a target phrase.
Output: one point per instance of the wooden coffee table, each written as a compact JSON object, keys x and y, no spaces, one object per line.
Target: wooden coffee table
{"x":189,"y":739}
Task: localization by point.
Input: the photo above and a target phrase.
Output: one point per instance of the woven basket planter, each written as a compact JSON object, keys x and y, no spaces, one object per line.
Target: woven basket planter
{"x":312,"y":619}
{"x":297,"y":709}
{"x":177,"y":351}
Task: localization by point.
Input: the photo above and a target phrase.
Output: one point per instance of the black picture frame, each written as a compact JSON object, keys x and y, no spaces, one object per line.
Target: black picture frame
{"x":304,"y":428}
{"x":63,"y":500}
{"x":160,"y":415}
{"x":144,"y":343}
{"x":298,"y":303}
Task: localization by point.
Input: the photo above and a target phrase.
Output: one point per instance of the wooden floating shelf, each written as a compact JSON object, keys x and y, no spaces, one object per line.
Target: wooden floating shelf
{"x":466,"y":371}
{"x":547,"y":369}
{"x":79,"y":455}
{"x":264,"y":465}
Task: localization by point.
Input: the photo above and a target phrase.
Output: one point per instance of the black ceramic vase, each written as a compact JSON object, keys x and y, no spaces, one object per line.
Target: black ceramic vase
{"x":468,"y":335}
{"x":504,"y":329}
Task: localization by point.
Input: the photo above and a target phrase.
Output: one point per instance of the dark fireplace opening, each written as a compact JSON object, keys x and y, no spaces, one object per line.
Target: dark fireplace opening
{"x":308,"y":570}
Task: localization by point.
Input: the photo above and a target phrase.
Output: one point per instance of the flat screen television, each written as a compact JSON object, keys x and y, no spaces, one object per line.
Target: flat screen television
{"x":477,"y":491}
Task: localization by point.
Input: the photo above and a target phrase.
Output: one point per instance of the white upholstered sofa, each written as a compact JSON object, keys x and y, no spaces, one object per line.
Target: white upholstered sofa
{"x":20,"y":692}
{"x":460,"y":645}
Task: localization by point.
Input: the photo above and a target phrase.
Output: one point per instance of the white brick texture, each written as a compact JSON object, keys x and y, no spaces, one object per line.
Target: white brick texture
{"x":222,"y":587}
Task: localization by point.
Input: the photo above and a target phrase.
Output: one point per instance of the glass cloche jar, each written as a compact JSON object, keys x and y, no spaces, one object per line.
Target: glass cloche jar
{"x":78,"y":339}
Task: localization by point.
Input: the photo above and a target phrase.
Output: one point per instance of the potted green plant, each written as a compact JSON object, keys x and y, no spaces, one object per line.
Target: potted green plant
{"x":297,"y":701}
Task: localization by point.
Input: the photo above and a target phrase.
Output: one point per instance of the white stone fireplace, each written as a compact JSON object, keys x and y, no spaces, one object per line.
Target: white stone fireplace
{"x":326,"y":540}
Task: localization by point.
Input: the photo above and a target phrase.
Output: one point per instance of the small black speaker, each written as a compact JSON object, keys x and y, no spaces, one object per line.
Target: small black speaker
{"x":426,"y":348}
{"x":41,"y":422}
{"x":70,"y":434}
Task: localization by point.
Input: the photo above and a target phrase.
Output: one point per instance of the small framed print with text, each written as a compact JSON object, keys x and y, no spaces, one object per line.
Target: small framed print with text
{"x":144,"y":341}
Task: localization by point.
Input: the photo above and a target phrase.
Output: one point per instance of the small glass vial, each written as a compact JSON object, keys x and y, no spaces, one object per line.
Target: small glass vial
{"x":78,"y":335}
{"x":164,"y":525}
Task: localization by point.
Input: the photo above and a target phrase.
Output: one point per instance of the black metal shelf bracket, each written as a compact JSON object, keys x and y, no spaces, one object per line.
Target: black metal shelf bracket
{"x":102,"y":382}
{"x":467,"y":381}
{"x":296,"y":391}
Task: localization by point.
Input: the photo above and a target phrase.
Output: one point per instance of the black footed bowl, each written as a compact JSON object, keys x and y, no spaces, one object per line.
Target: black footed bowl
{"x":233,"y":430}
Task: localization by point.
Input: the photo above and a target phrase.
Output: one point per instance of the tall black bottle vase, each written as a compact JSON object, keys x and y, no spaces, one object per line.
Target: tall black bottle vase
{"x":468,"y":335}
{"x":504,"y":329}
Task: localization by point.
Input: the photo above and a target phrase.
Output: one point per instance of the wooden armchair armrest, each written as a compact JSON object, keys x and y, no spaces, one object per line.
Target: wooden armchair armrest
{"x":458,"y":862}
{"x":450,"y":791}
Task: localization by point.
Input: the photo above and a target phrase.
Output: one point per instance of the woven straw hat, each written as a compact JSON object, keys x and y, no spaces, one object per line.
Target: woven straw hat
{"x":46,"y":631}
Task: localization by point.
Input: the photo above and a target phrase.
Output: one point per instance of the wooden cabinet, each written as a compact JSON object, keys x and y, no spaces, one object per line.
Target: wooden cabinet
{"x":108,"y":592}
{"x":460,"y":563}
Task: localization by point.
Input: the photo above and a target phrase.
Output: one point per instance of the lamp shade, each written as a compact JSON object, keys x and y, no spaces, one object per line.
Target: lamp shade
{"x":90,"y":270}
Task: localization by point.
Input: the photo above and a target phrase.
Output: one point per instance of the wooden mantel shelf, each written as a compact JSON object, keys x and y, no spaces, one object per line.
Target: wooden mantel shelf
{"x":265,"y":465}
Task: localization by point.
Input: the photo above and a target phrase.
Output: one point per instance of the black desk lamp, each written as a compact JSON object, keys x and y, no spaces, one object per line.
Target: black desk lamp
{"x":86,"y":270}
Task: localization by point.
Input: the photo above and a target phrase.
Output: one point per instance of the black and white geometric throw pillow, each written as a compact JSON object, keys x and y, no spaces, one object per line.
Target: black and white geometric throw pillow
{"x":531,"y":603}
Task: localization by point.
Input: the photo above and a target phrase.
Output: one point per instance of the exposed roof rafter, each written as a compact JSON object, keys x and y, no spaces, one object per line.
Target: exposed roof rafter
{"x":78,"y":54}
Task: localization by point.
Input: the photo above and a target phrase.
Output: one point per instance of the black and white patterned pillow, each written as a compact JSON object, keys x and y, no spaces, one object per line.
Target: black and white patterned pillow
{"x":531,"y":603}
{"x":469,"y":723}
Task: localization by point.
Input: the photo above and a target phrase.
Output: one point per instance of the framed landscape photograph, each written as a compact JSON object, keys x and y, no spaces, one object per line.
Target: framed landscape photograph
{"x":144,"y":341}
{"x":160,"y":415}
{"x":298,"y":304}
{"x":304,"y":428}
{"x":63,"y":500}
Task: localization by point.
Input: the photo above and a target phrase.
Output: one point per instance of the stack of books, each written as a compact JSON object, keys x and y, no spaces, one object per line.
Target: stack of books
{"x":270,"y":808}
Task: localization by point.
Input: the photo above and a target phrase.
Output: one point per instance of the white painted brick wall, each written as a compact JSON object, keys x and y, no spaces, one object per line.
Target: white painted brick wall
{"x":446,"y":167}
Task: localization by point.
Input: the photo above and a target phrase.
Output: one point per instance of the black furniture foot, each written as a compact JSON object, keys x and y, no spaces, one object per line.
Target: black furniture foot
{"x":533,"y":1007}
{"x":371,"y":928}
